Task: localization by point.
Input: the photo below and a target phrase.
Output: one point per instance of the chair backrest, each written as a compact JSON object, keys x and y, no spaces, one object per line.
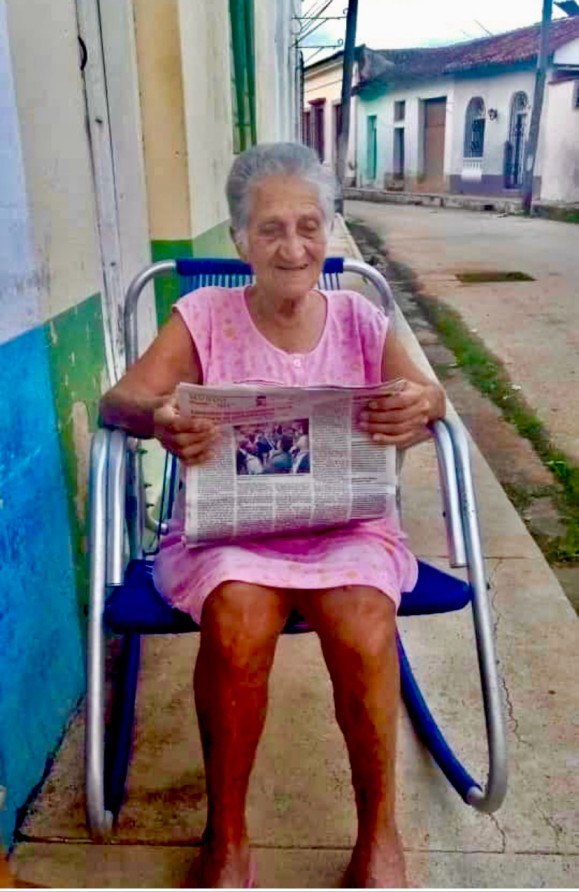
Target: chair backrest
{"x":195,"y":273}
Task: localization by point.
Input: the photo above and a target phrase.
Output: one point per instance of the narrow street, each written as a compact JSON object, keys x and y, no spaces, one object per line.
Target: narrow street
{"x":530,"y":327}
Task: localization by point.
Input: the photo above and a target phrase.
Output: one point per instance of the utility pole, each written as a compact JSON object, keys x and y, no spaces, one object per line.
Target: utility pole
{"x":344,"y":131}
{"x":533,"y":140}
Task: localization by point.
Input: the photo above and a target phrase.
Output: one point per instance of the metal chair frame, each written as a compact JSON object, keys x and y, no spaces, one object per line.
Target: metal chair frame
{"x":118,"y":507}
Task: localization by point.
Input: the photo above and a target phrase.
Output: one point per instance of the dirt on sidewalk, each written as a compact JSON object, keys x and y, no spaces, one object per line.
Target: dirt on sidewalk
{"x":531,"y":486}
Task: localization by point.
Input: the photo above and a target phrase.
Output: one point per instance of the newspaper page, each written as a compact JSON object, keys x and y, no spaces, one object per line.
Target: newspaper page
{"x":289,"y":459}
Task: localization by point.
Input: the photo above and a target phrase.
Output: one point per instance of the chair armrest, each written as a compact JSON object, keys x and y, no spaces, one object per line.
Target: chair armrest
{"x":494,"y":792}
{"x":116,"y":495}
{"x":108,"y":475}
{"x":449,"y":491}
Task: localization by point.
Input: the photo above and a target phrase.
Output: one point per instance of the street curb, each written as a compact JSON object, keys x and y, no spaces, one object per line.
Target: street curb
{"x":489,"y":203}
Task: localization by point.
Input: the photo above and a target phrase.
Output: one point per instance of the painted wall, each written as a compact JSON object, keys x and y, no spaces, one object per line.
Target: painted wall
{"x":497,"y":92}
{"x":48,"y":97}
{"x":52,"y":366}
{"x":560,"y":163}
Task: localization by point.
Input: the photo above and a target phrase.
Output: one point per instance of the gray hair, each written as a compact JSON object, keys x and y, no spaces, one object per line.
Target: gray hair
{"x":275,"y":159}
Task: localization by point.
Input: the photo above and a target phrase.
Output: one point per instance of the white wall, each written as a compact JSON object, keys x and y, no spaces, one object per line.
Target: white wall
{"x":568,"y":54}
{"x":560,"y":146}
{"x":19,"y":288}
{"x":55,"y":150}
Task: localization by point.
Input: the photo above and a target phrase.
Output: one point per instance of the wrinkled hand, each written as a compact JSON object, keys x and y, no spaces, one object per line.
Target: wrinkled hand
{"x":398,"y":419}
{"x":190,"y":439}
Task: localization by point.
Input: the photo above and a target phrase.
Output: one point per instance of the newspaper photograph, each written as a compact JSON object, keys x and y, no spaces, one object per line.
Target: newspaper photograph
{"x":289,"y":459}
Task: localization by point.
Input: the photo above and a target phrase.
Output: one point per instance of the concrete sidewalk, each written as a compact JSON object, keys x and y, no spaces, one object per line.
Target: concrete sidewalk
{"x":301,"y":810}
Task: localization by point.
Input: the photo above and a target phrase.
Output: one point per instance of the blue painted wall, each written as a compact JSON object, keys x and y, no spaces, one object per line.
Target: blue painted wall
{"x":41,"y":662}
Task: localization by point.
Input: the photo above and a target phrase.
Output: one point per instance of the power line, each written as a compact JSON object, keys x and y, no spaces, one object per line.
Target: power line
{"x":490,"y":33}
{"x":305,"y":33}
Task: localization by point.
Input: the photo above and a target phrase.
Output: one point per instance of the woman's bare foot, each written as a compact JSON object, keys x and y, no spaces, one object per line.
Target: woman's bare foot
{"x":379,"y":865}
{"x":224,"y":867}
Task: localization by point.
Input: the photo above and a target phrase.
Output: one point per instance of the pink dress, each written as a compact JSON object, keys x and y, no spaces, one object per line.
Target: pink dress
{"x":232,"y":350}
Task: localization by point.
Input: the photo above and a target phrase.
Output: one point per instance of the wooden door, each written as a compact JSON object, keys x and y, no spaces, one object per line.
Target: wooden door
{"x":434,"y":132}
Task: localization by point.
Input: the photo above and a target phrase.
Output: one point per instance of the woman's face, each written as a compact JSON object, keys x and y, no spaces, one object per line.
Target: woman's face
{"x":286,"y":236}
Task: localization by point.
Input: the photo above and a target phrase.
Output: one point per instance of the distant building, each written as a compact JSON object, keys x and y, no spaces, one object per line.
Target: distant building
{"x":322,"y":112}
{"x":456,"y":118}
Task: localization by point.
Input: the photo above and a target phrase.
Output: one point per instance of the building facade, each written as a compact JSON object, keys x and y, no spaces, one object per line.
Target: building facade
{"x":456,"y":119}
{"x":322,"y":112}
{"x":118,"y":124}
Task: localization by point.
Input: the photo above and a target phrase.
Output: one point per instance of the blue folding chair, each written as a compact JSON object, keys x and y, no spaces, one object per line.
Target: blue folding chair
{"x":123,"y":599}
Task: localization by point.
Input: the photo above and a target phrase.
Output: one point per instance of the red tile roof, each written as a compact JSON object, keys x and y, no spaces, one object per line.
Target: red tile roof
{"x":502,"y":49}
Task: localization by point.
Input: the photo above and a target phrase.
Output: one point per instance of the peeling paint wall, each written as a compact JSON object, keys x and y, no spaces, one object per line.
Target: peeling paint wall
{"x":51,"y":375}
{"x":77,"y":365}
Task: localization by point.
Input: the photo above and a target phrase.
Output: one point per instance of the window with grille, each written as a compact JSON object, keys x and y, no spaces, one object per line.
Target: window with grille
{"x":474,"y":131}
{"x":242,"y":74}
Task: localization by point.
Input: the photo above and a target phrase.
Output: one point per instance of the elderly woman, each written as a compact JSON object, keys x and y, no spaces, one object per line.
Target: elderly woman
{"x":345,"y":581}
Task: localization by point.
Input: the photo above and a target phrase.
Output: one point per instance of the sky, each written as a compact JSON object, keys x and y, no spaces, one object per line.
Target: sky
{"x":387,"y":24}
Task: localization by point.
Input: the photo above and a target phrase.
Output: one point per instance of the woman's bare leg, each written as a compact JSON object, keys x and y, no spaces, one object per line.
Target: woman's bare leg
{"x":240,"y":626}
{"x":356,"y":625}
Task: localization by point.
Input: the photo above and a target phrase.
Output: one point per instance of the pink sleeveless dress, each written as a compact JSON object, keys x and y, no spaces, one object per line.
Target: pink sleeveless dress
{"x":232,"y":350}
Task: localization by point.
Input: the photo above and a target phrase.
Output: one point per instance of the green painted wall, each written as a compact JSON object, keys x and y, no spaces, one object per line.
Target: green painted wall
{"x":78,"y":371}
{"x":215,"y":242}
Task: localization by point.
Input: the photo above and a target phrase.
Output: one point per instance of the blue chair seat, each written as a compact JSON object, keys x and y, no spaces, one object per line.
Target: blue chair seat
{"x":137,"y":606}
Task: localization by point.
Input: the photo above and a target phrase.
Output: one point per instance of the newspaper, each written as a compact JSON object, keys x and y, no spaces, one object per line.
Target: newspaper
{"x":289,"y":459}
